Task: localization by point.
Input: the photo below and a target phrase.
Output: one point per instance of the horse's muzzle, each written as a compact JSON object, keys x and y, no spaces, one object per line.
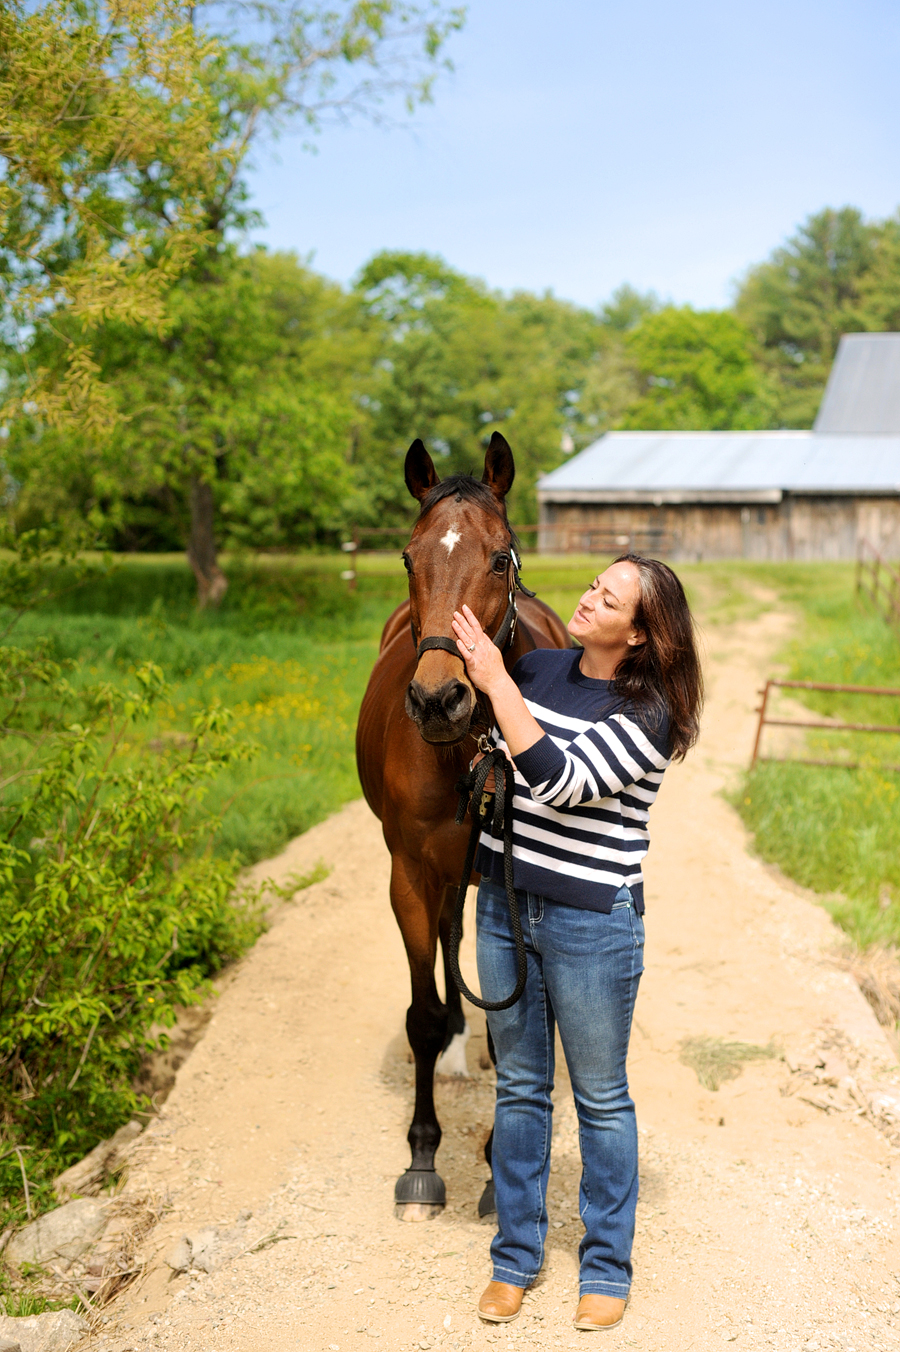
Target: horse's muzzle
{"x":441,"y":715}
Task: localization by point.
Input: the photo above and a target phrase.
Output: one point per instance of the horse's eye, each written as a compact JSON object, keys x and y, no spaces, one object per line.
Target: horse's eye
{"x":406,"y":563}
{"x":501,"y":563}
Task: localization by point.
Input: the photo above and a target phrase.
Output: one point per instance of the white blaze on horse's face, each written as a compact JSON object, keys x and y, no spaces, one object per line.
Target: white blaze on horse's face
{"x":451,"y":539}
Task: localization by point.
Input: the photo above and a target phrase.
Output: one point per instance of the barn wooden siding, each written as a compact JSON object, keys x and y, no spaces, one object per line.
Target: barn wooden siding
{"x":799,"y":527}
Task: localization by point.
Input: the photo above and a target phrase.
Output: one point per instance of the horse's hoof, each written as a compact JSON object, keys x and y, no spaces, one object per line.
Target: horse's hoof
{"x":418,"y":1211}
{"x":487,"y":1206}
{"x":419,"y":1195}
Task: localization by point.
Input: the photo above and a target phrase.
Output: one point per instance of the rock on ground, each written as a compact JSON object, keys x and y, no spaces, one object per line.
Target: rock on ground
{"x":86,"y":1178}
{"x":65,"y":1233}
{"x":53,"y":1331}
{"x":209,"y":1247}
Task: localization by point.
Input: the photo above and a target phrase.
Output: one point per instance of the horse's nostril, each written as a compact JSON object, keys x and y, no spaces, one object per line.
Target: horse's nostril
{"x":417,"y":697}
{"x":454,"y":697}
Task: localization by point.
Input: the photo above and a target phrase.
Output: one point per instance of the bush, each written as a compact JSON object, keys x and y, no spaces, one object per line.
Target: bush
{"x":113,"y":908}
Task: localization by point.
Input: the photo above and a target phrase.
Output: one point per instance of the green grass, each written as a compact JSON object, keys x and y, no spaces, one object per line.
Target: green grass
{"x":835,"y":830}
{"x":289,"y":651}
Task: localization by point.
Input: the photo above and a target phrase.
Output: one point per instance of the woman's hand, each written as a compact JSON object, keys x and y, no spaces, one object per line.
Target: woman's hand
{"x":484,"y":664}
{"x":489,"y":784}
{"x":483,"y":659}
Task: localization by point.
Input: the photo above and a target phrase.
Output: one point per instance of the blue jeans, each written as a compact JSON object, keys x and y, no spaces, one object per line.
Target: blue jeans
{"x":583,"y":974}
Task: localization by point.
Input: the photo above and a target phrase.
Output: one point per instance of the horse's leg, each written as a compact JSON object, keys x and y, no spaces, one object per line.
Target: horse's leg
{"x":453,"y":1052}
{"x":420,"y":1192}
{"x":486,"y":1204}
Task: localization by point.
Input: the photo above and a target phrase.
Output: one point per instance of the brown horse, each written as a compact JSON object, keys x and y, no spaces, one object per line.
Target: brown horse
{"x":417,"y":732}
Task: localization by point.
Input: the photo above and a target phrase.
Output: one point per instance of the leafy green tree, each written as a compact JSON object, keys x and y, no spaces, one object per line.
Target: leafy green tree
{"x":695,"y":370}
{"x":111,"y":145}
{"x":626,"y":308}
{"x":293,"y":62}
{"x":459,"y":361}
{"x":827,"y":280}
{"x":879,"y":287}
{"x":261,"y":374}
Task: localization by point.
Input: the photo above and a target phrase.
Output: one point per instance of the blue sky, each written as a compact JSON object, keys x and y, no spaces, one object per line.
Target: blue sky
{"x":585,"y":143}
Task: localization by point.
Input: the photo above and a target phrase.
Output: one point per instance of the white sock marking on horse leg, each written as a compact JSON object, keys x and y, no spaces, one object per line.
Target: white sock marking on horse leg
{"x":452,"y":538}
{"x":453,"y":1060}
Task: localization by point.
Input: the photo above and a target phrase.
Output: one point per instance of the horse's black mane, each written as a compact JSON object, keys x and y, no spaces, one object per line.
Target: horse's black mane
{"x":464,"y":488}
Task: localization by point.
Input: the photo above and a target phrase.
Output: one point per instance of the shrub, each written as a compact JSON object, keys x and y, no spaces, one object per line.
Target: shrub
{"x":113,"y":908}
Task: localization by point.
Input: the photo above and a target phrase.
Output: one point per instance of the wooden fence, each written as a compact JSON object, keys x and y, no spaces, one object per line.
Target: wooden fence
{"x":578,"y":538}
{"x":880,"y":582}
{"x":832,"y":724}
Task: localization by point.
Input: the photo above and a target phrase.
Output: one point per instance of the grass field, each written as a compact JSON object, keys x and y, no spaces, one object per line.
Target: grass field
{"x":835,"y":830}
{"x":291,"y":647}
{"x":289,"y":652}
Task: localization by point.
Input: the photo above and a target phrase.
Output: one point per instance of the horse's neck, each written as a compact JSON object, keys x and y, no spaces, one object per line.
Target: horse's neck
{"x":522,"y":643}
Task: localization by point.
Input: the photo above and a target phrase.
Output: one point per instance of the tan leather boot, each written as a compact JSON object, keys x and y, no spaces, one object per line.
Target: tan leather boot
{"x":599,"y":1312}
{"x":500,"y":1302}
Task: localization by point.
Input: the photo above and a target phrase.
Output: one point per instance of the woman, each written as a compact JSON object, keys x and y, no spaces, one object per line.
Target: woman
{"x":590,"y":731}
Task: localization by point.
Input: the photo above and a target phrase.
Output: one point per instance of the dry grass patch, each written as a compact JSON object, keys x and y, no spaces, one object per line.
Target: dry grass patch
{"x":876,"y":971}
{"x":714,"y":1060}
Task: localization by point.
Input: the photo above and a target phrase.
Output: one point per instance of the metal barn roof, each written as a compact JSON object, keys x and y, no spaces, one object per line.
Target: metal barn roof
{"x":724,"y":466}
{"x":863,"y":390}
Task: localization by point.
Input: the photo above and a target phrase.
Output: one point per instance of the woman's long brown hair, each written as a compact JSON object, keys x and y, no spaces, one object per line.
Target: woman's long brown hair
{"x":663,"y":673}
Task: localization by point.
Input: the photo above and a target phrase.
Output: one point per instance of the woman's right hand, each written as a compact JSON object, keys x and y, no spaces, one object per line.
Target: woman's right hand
{"x":490,"y":785}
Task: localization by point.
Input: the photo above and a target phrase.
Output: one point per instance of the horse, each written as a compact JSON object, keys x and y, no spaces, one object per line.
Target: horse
{"x":418,"y":728}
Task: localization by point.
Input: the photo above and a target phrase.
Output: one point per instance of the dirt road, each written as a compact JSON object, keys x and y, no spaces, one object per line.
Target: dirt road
{"x":764,"y":1220}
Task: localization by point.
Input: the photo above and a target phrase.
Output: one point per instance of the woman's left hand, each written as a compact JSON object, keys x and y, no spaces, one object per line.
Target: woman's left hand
{"x":483,"y":659}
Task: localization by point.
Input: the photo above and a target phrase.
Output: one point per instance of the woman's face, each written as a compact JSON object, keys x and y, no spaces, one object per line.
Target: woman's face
{"x":604,"y":617}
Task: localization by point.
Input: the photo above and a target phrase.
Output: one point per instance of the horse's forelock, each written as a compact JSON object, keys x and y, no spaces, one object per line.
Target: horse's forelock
{"x":465,"y":489}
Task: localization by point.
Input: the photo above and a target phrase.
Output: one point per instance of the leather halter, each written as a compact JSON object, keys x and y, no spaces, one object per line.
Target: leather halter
{"x":507,"y":630}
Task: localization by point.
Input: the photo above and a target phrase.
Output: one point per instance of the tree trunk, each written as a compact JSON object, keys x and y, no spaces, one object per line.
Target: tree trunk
{"x":211,"y":581}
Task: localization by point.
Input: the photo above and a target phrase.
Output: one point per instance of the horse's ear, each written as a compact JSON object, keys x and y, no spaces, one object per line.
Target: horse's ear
{"x":419,"y":470}
{"x":499,"y":467}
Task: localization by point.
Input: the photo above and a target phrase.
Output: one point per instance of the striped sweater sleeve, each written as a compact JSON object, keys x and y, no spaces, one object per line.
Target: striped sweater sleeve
{"x":602,"y":761}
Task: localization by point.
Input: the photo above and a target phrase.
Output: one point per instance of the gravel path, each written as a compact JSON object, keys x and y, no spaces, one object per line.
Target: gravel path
{"x":764,"y":1220}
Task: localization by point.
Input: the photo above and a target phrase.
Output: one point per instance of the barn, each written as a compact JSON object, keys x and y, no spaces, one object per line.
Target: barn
{"x":746,"y":495}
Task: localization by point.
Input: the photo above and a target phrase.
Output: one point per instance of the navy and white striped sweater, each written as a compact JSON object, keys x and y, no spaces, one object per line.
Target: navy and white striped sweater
{"x":583,"y":792}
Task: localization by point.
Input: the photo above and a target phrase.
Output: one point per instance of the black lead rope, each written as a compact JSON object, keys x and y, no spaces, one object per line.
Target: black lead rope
{"x":472,"y":795}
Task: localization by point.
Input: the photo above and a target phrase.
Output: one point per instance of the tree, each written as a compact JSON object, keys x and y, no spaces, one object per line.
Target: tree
{"x":458,"y":361}
{"x":626,"y":308}
{"x":879,"y":287}
{"x":111,"y":144}
{"x":827,"y":280}
{"x":298,"y":62}
{"x":260,"y":374}
{"x":695,"y":370}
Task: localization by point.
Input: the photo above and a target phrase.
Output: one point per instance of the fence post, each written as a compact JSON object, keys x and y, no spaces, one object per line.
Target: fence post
{"x":859,"y":565}
{"x":351,"y":547}
{"x":759,"y":726}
